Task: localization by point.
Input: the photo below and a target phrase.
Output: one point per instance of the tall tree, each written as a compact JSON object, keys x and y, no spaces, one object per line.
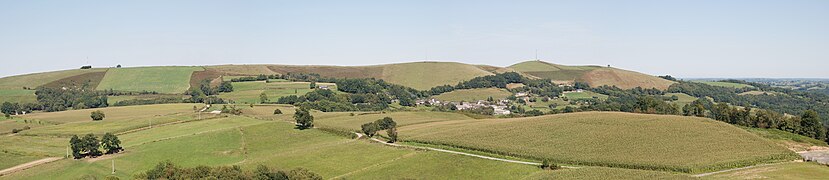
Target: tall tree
{"x":303,"y":118}
{"x":810,"y":125}
{"x":392,"y":132}
{"x":110,"y":143}
{"x":91,"y":144}
{"x":77,"y":146}
{"x":263,"y":98}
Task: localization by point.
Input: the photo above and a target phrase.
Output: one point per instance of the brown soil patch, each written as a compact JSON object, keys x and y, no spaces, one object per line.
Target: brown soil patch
{"x":91,"y":79}
{"x":242,"y":70}
{"x":197,"y":76}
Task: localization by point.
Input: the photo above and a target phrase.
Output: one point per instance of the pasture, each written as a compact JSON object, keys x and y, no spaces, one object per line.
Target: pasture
{"x":162,"y":79}
{"x":249,"y":142}
{"x":584,"y":95}
{"x":249,"y":92}
{"x":17,"y":96}
{"x":611,"y":139}
{"x":724,"y":84}
{"x":113,"y":113}
{"x":472,"y":95}
{"x":683,"y":98}
{"x":425,"y":75}
{"x":343,"y":121}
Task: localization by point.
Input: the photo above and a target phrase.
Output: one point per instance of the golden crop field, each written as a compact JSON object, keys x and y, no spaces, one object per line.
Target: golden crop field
{"x":611,"y":139}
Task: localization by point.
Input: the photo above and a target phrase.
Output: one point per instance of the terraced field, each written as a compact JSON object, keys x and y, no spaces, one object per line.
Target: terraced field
{"x":637,"y":141}
{"x":172,"y":80}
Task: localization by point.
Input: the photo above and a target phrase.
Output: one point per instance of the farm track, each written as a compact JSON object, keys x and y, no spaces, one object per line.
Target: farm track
{"x":460,"y":153}
{"x":28,"y":165}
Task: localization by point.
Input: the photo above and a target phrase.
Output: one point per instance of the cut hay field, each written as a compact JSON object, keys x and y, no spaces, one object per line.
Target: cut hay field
{"x":470,"y":95}
{"x":593,"y":75}
{"x":584,"y":95}
{"x":425,"y":75}
{"x":724,"y":84}
{"x":248,"y":92}
{"x":611,"y":139}
{"x":170,"y":79}
{"x":683,"y":98}
{"x":402,"y":118}
{"x":17,"y":96}
{"x":602,"y":173}
{"x":112,"y":113}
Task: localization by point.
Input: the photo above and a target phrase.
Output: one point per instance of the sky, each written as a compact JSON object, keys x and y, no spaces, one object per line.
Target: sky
{"x":689,"y":38}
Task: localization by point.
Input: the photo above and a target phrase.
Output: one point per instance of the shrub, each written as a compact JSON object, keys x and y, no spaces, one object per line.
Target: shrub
{"x":97,"y":115}
{"x":277,"y":111}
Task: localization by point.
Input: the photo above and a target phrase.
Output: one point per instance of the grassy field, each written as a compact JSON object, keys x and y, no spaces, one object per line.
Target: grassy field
{"x":425,"y":75}
{"x":593,"y":75}
{"x":600,"y":173}
{"x":656,"y":142}
{"x":115,"y":99}
{"x":169,"y":79}
{"x":402,"y":119}
{"x":249,"y":142}
{"x":248,"y":92}
{"x":683,"y":98}
{"x":792,"y":141}
{"x":584,"y":95}
{"x":17,"y":95}
{"x":724,"y":84}
{"x":471,"y":95}
{"x":113,"y":113}
{"x":38,"y":79}
{"x":799,"y":170}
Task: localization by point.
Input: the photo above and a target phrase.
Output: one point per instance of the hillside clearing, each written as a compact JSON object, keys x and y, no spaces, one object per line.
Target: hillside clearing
{"x":668,"y":143}
{"x":724,"y":84}
{"x":168,"y":79}
{"x":472,"y":95}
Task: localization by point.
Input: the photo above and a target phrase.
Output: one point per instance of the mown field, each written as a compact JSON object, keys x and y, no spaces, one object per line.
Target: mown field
{"x":169,"y":79}
{"x":683,"y":98}
{"x":38,"y":79}
{"x":249,"y":92}
{"x":346,"y":121}
{"x":471,"y":95}
{"x":724,"y":84}
{"x":584,"y":95}
{"x":17,"y":95}
{"x":637,"y":141}
{"x":113,"y":113}
{"x":425,"y":75}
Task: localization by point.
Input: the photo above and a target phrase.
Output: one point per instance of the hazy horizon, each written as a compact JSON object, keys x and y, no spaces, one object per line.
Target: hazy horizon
{"x":699,"y":39}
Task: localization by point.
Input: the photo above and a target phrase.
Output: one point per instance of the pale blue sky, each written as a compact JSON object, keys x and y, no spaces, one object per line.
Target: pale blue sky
{"x":785,"y":38}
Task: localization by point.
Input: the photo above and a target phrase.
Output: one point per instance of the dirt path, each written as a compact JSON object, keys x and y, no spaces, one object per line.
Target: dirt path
{"x":28,"y":165}
{"x":736,"y":169}
{"x":461,"y":153}
{"x":819,"y":156}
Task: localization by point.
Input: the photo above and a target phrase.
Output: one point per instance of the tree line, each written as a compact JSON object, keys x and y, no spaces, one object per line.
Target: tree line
{"x":169,"y":170}
{"x":387,"y":123}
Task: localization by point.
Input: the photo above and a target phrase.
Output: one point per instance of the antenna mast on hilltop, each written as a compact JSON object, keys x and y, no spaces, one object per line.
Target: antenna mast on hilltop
{"x":536,"y":54}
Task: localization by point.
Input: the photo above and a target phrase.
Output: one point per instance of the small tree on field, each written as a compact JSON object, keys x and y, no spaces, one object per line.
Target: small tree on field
{"x":313,"y":85}
{"x":77,"y":146}
{"x":263,"y":98}
{"x":392,"y":132}
{"x":370,"y":129}
{"x":303,"y":118}
{"x":277,"y":111}
{"x":97,"y":115}
{"x":110,"y":143}
{"x":91,"y":144}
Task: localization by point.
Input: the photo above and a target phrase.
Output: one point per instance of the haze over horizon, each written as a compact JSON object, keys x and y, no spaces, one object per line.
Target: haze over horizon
{"x":700,"y":39}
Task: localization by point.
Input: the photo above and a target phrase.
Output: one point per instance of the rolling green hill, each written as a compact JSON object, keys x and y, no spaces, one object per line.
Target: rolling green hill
{"x":611,"y":139}
{"x":593,"y":75}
